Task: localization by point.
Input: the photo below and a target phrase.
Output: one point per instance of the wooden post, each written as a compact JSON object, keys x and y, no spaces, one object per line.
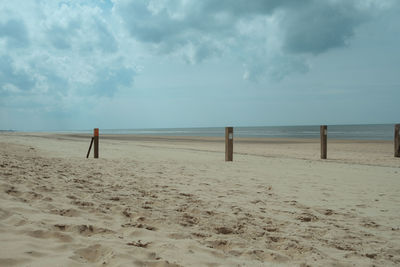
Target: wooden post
{"x":324,"y":139}
{"x":90,"y":147}
{"x":228,"y":143}
{"x":96,"y":142}
{"x":397,"y":140}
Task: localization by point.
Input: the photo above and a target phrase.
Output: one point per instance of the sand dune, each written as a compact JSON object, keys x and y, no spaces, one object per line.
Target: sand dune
{"x":175,"y":202}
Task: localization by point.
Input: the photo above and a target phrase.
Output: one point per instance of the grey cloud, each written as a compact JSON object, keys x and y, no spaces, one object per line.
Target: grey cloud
{"x":168,"y":33}
{"x":56,"y":84}
{"x":15,"y":32}
{"x":11,"y":76}
{"x":61,"y":36}
{"x":146,"y":27}
{"x":178,"y":18}
{"x":305,"y":27}
{"x":316,"y":29}
{"x":76,"y":35}
{"x":105,"y":39}
{"x":245,"y":7}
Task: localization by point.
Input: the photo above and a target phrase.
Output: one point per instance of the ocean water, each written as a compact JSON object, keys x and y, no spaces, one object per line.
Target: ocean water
{"x":352,"y":132}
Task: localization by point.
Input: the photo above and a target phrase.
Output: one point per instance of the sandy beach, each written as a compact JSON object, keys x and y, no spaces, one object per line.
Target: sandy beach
{"x":174,"y":201}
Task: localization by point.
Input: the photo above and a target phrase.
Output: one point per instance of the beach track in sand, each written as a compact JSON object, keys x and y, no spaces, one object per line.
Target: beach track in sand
{"x":175,"y":202}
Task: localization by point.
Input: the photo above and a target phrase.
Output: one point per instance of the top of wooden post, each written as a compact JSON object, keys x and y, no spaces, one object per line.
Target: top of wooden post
{"x":96,"y":131}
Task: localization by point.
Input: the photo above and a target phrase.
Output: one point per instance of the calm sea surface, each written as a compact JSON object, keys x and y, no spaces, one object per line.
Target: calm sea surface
{"x":361,"y":132}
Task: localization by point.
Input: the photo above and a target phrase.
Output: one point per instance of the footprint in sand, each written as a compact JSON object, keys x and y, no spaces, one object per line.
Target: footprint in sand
{"x":84,"y":230}
{"x":82,"y":203}
{"x":179,"y":235}
{"x":45,"y":234}
{"x":93,"y":254}
{"x":13,"y":191}
{"x":66,"y":212}
{"x":139,"y":225}
{"x":33,"y":195}
{"x":268,"y":255}
{"x":307,"y":217}
{"x":188,"y":220}
{"x":139,"y":244}
{"x":369,"y":224}
{"x":224,"y":230}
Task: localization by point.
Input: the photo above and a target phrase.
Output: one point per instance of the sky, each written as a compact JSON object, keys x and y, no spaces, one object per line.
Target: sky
{"x":121,"y":64}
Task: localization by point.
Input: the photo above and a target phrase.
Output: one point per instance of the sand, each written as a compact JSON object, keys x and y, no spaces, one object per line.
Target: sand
{"x":174,"y":201}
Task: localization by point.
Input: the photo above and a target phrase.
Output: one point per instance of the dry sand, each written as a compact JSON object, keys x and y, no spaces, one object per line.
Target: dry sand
{"x":169,"y":201}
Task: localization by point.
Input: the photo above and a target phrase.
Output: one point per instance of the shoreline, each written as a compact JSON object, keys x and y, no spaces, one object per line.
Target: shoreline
{"x":178,"y":138}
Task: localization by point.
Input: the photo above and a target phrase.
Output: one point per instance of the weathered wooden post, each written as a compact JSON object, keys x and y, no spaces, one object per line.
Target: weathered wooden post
{"x":96,"y":142}
{"x":397,"y":140}
{"x":324,"y":139}
{"x":228,"y":143}
{"x":90,"y":147}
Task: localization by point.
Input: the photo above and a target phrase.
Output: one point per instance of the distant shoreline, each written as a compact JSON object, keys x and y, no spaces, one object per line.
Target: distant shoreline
{"x":209,"y":139}
{"x":335,"y":132}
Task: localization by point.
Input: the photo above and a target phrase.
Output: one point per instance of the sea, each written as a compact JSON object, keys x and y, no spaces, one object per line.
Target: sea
{"x":343,"y":132}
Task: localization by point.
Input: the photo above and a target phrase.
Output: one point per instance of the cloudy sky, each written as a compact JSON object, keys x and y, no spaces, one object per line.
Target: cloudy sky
{"x":77,"y":64}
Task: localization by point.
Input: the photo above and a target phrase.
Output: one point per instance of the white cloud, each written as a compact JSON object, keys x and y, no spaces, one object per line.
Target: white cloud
{"x":56,"y":50}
